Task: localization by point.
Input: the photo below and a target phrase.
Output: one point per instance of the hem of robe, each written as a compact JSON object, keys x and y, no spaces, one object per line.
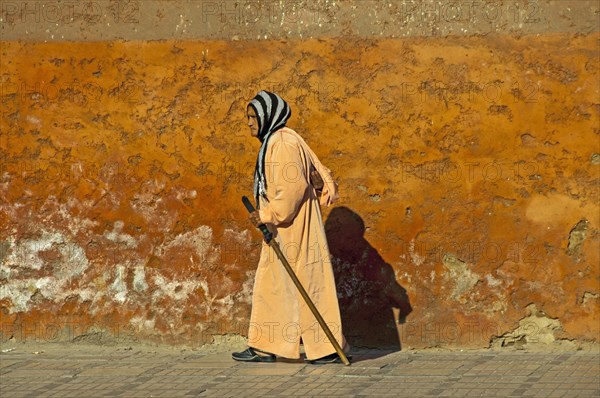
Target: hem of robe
{"x":315,"y":355}
{"x":312,"y":351}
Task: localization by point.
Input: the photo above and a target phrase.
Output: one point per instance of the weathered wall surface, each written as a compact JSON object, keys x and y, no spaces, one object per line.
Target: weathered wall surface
{"x":53,"y":20}
{"x":468,"y":168}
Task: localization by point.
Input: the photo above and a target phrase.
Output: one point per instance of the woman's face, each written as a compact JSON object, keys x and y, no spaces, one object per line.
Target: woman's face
{"x":252,"y":121}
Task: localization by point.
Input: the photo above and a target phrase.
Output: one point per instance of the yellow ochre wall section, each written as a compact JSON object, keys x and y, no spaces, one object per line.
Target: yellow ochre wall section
{"x":468,"y":170}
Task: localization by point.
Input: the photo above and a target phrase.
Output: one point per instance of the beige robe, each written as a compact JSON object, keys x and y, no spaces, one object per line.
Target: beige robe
{"x":280,"y":317}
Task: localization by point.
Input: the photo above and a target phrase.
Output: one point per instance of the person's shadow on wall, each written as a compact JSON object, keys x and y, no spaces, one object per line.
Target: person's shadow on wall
{"x":366,"y":285}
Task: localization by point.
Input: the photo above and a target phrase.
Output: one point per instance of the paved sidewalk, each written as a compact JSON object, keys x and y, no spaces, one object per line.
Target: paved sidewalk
{"x":100,"y":371}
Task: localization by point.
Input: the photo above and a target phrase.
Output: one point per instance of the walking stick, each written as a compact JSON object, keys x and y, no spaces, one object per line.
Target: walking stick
{"x":273,"y":243}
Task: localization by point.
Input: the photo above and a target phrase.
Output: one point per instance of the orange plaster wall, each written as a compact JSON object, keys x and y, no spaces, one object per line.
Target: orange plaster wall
{"x":466,"y":166}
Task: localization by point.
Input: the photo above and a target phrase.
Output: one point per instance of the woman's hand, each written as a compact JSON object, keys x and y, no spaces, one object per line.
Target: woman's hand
{"x":316,"y":180}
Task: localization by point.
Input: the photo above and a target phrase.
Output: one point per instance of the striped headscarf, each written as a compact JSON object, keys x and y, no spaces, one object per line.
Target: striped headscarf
{"x":272,"y":112}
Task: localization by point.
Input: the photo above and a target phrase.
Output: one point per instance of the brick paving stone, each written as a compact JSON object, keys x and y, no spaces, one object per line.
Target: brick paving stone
{"x":100,"y":371}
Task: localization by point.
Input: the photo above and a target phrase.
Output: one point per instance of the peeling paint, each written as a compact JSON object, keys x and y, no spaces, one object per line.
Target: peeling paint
{"x":119,"y":237}
{"x":71,"y":262}
{"x":415,"y":257}
{"x":464,"y":279}
{"x":118,"y":287}
{"x":491,"y":281}
{"x":577,"y":237}
{"x":176,"y":290}
{"x":139,"y":279}
{"x":535,"y":329}
{"x":589,"y":297}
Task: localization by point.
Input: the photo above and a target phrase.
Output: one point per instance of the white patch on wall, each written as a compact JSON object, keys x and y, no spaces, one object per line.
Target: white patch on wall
{"x":148,"y":202}
{"x":23,"y":256}
{"x":19,"y":292}
{"x":119,"y":287}
{"x":139,"y":279}
{"x":141,"y":324}
{"x":461,"y":275}
{"x":169,"y":296}
{"x":176,"y":290}
{"x":34,"y":120}
{"x":117,"y":236}
{"x":182,"y":290}
{"x":199,"y":239}
{"x":415,"y":257}
{"x":491,"y":281}
{"x":75,"y":224}
{"x":247,"y":288}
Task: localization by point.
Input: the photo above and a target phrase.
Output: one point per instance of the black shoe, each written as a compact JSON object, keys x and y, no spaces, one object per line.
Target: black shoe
{"x":332,"y":358}
{"x":249,"y":355}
